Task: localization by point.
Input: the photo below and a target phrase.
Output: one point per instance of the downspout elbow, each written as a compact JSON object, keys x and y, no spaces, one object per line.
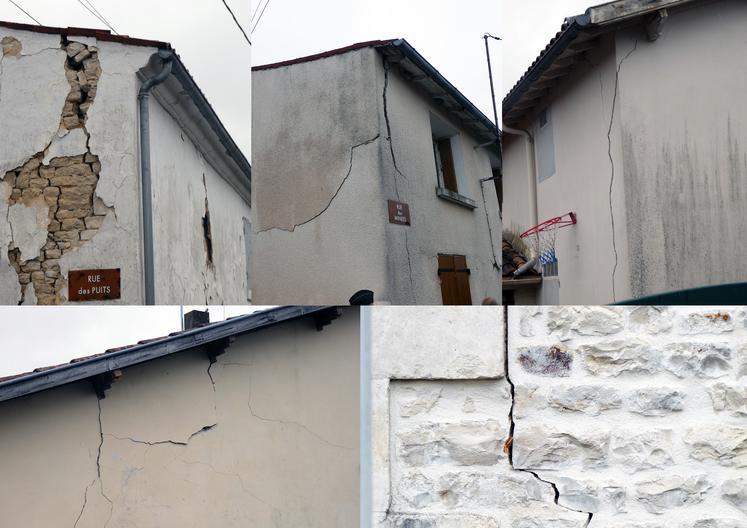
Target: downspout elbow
{"x":166,"y":57}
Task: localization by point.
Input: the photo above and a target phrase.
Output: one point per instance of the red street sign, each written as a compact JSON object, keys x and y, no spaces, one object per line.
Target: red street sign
{"x":93,"y":285}
{"x":399,"y":213}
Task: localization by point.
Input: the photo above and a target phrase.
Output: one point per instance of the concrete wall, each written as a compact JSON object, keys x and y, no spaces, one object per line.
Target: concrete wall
{"x":40,"y":134}
{"x":682,"y":120}
{"x":318,"y":210}
{"x":261,"y":438}
{"x":438,"y":226}
{"x":193,"y":266}
{"x":323,"y":172}
{"x":596,"y":418}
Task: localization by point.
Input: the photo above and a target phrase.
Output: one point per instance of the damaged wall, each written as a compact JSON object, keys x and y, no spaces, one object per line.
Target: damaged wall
{"x":69,"y":164}
{"x":437,"y":226}
{"x":323,"y":172}
{"x":199,"y":238}
{"x":682,"y":129}
{"x":260,"y":438}
{"x":317,"y":201}
{"x":636,"y":414}
{"x":580,"y":108}
{"x":597,"y":417}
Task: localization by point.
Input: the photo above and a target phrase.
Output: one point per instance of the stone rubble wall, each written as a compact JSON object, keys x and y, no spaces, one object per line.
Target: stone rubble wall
{"x":56,"y":187}
{"x":599,"y":417}
{"x":637,"y":415}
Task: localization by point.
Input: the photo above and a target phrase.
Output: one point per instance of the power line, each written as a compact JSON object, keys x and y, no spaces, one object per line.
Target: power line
{"x":260,"y":16}
{"x":256,"y":10}
{"x":100,"y":18}
{"x":237,"y":23}
{"x":26,"y":12}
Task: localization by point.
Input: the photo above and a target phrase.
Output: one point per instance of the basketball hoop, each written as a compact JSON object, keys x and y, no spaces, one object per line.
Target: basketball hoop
{"x":543,"y":238}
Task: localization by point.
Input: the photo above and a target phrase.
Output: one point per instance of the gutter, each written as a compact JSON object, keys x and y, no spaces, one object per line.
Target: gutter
{"x":166,"y":57}
{"x":366,"y":414}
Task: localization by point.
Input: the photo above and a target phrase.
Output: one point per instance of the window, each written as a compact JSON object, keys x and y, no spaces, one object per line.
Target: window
{"x":454,"y":275}
{"x":449,"y":164}
{"x":545,"y":146}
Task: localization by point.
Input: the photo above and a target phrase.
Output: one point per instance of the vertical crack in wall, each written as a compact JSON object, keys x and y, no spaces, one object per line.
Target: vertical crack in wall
{"x":387,"y":67}
{"x":208,"y":239}
{"x":98,"y":467}
{"x":508,"y":445}
{"x":612,"y":162}
{"x":66,"y":185}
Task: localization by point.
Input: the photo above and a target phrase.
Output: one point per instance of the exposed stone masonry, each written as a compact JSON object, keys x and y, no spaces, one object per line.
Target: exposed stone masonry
{"x":65,"y":184}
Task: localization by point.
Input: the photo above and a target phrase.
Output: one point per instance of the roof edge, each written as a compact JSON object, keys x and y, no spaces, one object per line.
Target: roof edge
{"x":77,"y":370}
{"x":98,"y":34}
{"x":324,"y":54}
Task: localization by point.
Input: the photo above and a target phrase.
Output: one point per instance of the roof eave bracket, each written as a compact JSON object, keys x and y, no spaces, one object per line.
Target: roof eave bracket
{"x":216,"y":348}
{"x":325,"y":317}
{"x":655,"y":24}
{"x":103,"y":382}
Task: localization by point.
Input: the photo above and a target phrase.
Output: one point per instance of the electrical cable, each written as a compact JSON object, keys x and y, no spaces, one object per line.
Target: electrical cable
{"x":237,"y":23}
{"x":26,"y":12}
{"x":101,"y":17}
{"x":260,"y":16}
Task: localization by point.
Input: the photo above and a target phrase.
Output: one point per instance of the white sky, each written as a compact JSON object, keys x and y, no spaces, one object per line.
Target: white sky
{"x":36,"y":336}
{"x":202,"y":32}
{"x":447,"y":33}
{"x":527,"y":27}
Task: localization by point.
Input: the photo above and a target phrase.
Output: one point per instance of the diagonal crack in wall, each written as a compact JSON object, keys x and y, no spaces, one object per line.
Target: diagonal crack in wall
{"x":508,"y":445}
{"x":334,"y":195}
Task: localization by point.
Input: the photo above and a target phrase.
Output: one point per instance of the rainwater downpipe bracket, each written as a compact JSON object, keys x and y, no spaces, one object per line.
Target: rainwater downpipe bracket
{"x":166,"y":57}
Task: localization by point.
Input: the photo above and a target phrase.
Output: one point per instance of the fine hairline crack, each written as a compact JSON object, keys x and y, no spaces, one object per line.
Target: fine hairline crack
{"x":508,"y":446}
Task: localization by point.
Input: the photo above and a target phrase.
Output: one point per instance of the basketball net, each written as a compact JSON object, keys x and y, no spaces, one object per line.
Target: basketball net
{"x":543,"y":246}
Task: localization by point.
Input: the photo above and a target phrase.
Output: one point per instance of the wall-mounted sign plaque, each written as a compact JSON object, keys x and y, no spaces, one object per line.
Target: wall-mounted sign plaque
{"x":93,"y":285}
{"x":399,"y":213}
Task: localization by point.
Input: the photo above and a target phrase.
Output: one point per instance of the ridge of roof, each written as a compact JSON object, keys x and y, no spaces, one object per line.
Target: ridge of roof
{"x":99,"y":34}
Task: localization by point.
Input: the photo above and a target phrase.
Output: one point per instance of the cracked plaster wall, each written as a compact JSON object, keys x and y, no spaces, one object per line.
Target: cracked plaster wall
{"x":323,"y":172}
{"x":261,"y":438}
{"x":682,"y":130}
{"x":598,"y":417}
{"x":580,"y":107}
{"x":318,"y":208}
{"x":183,"y":273}
{"x":437,"y":226}
{"x":40,"y":102}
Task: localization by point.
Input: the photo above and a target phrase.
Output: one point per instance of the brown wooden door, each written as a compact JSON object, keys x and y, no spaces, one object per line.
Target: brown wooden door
{"x":454,"y":275}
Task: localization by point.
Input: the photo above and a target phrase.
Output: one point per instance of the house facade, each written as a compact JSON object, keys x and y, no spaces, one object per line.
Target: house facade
{"x":371,"y":172}
{"x":632,"y":118}
{"x":114,"y":165}
{"x":230,"y":424}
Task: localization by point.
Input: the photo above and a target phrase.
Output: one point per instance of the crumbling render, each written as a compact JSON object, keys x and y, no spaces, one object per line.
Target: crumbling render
{"x":612,"y":162}
{"x":64,"y":185}
{"x":509,"y":443}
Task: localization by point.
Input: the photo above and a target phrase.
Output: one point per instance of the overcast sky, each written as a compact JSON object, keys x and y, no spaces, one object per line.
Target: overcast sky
{"x":527,"y":27}
{"x":447,"y":33}
{"x":202,"y":32}
{"x":41,"y":336}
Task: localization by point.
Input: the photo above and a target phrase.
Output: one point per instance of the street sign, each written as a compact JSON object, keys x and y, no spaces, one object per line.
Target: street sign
{"x":399,"y":213}
{"x":93,"y":285}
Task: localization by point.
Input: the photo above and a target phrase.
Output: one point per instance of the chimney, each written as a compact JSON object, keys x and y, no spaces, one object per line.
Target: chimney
{"x":195,"y":319}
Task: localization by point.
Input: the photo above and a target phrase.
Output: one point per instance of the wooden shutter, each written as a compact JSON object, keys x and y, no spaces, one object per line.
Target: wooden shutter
{"x":454,"y":275}
{"x":447,"y":164}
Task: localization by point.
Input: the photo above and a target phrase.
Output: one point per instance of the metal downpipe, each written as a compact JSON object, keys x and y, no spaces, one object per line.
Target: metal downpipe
{"x":531,"y":169}
{"x":166,"y":58}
